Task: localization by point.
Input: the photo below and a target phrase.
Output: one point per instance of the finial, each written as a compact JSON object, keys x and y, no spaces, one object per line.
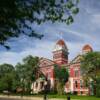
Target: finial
{"x":61,"y":35}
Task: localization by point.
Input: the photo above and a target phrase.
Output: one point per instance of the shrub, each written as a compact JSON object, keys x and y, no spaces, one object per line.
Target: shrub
{"x":98,"y":88}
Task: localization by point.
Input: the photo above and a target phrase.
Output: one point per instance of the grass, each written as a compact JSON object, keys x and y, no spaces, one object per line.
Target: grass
{"x":63,"y":97}
{"x":74,"y":97}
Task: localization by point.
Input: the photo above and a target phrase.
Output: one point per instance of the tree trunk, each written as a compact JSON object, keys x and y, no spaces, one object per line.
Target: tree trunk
{"x":60,"y":88}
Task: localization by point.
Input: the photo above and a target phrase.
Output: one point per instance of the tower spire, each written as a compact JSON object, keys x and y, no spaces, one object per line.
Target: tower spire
{"x":61,"y":35}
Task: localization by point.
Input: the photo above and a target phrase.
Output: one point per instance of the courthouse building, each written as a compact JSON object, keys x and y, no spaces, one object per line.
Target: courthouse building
{"x":60,"y":53}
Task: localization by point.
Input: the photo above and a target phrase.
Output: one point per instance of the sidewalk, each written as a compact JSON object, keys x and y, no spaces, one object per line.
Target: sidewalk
{"x":21,"y":98}
{"x":31,"y":98}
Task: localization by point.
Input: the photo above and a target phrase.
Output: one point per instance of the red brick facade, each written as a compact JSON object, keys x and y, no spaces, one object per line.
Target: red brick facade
{"x":60,"y":57}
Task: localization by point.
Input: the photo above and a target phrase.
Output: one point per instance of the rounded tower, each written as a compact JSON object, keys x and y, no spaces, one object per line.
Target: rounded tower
{"x":60,"y":52}
{"x":86,"y":48}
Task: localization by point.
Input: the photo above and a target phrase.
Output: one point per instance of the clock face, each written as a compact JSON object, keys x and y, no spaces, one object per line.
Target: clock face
{"x":59,"y":47}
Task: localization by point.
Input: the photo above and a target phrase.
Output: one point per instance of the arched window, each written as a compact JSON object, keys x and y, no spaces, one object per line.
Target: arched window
{"x":76,"y":84}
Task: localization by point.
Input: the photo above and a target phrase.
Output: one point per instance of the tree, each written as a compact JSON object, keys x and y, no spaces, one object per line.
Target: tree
{"x":90,"y":66}
{"x":98,"y":87}
{"x":26,"y":72}
{"x":18,"y":15}
{"x":6,"y":77}
{"x":61,"y":75}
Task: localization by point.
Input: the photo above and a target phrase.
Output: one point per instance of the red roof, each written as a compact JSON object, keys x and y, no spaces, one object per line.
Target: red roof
{"x":61,"y":42}
{"x":87,"y":47}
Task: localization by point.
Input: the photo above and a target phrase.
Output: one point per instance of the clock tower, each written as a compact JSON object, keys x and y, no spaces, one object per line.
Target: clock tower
{"x":60,"y":53}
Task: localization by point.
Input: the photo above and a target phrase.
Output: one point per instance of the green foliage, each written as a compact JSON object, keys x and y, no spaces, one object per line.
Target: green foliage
{"x":6,"y":77}
{"x":17,"y":15}
{"x":90,"y":66}
{"x":61,"y":75}
{"x":26,"y":72}
{"x":98,"y":87}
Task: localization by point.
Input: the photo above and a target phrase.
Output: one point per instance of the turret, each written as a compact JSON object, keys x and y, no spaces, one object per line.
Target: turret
{"x":60,"y":52}
{"x":87,"y":48}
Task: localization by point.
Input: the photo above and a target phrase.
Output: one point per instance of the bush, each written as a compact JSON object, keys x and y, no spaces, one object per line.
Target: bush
{"x":98,"y":88}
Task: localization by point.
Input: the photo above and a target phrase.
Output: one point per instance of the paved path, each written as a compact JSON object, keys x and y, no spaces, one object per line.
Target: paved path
{"x":2,"y":97}
{"x":19,"y":98}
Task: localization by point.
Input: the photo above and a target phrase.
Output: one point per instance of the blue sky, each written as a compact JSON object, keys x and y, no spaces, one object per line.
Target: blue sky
{"x":84,"y":30}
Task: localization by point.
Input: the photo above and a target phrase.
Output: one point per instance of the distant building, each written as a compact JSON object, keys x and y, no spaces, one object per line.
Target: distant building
{"x":60,"y":52}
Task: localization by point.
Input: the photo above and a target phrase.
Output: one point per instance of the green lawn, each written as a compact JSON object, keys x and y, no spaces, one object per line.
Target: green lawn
{"x":64,"y":97}
{"x":74,"y":97}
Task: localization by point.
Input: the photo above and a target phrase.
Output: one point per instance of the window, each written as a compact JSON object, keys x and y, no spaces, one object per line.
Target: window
{"x":36,"y":85}
{"x":81,"y":83}
{"x":76,"y":85}
{"x":76,"y":73}
{"x":48,"y":75}
{"x":81,"y":92}
{"x":42,"y":84}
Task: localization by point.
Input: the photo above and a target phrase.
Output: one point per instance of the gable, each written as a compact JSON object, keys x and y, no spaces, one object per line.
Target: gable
{"x":44,"y":62}
{"x":77,"y":59}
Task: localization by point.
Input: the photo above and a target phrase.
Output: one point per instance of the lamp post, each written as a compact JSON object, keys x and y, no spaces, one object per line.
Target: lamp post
{"x":68,"y":98}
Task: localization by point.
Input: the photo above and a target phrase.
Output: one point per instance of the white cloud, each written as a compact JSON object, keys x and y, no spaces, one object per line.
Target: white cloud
{"x":87,"y":23}
{"x":80,"y":34}
{"x":43,"y":49}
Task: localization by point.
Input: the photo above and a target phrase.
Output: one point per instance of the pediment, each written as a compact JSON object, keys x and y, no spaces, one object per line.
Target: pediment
{"x":77,"y":59}
{"x":44,"y":62}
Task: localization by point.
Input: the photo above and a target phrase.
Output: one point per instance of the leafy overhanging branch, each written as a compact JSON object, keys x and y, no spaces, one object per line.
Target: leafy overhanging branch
{"x":14,"y":15}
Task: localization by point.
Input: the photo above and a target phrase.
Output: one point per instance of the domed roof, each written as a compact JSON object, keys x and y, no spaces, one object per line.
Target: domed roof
{"x":61,"y":42}
{"x":60,"y":45}
{"x":87,"y":47}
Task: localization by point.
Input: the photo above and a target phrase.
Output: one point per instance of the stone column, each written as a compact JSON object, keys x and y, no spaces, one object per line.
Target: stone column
{"x":35,"y":88}
{"x":39,"y":86}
